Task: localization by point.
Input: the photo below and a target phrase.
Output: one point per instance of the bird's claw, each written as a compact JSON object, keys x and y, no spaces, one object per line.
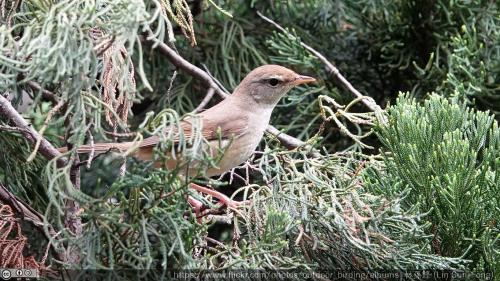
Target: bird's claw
{"x":223,"y":201}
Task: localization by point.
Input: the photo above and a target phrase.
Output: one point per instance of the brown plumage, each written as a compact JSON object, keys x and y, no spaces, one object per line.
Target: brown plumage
{"x":239,"y":121}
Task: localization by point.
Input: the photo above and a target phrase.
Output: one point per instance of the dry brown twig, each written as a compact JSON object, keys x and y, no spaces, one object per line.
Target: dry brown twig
{"x":25,"y":212}
{"x":115,"y":91}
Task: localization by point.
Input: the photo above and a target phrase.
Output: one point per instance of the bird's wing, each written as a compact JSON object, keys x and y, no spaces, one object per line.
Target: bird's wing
{"x":212,"y":129}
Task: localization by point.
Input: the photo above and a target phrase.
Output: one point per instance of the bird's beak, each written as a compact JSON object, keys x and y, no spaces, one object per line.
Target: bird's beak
{"x":302,"y":79}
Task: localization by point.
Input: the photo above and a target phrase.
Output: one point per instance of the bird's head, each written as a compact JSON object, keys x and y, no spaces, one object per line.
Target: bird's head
{"x":268,"y":83}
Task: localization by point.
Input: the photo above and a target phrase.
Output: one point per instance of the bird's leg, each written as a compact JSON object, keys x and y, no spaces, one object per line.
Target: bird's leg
{"x":222,"y":198}
{"x":197,"y":205}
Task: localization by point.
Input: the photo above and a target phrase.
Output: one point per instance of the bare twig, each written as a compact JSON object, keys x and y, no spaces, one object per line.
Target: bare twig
{"x":121,"y":135}
{"x":46,"y":94}
{"x":287,"y":140}
{"x":72,"y":219}
{"x":369,"y":102}
{"x":299,"y":237}
{"x":216,"y":242}
{"x":204,"y":102}
{"x":88,"y":161}
{"x":92,"y":152}
{"x":170,"y":86}
{"x":216,"y":81}
{"x":11,"y":129}
{"x":182,"y":63}
{"x":46,"y":148}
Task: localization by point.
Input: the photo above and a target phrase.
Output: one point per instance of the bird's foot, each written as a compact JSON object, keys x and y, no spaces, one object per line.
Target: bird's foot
{"x":197,"y":208}
{"x":223,"y":199}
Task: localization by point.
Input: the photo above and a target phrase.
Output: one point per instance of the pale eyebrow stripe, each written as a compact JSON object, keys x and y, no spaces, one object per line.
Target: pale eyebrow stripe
{"x":279,"y":77}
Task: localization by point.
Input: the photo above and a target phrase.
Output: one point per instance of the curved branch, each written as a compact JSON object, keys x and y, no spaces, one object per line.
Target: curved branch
{"x":206,"y":99}
{"x":45,"y":148}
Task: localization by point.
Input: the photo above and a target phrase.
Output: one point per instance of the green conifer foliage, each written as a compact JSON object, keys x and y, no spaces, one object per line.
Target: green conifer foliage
{"x":420,"y":191}
{"x":445,"y":157}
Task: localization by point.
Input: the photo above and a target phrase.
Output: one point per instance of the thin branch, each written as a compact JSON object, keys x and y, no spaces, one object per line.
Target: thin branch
{"x":287,"y":140}
{"x":46,"y":148}
{"x":50,"y":152}
{"x":88,"y":162}
{"x":121,"y":135}
{"x":182,"y":63}
{"x":72,"y":218}
{"x":46,"y":94}
{"x":11,"y":129}
{"x":369,"y":102}
{"x":213,"y":78}
{"x":204,"y":102}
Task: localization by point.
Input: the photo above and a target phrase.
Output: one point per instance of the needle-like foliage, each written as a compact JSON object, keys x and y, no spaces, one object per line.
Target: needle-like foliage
{"x":446,"y":157}
{"x":412,"y":187}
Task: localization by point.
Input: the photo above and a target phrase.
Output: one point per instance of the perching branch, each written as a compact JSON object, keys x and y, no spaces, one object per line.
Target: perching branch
{"x":45,"y":148}
{"x":287,"y":140}
{"x":11,"y":129}
{"x":369,"y":102}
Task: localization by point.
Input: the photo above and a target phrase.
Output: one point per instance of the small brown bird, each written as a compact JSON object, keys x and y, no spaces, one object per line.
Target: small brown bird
{"x":238,"y":121}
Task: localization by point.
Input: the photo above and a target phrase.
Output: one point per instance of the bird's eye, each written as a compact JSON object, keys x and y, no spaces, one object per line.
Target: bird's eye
{"x":273,"y":82}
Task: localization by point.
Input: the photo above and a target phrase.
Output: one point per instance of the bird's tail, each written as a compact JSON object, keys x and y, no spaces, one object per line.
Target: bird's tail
{"x":100,"y":147}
